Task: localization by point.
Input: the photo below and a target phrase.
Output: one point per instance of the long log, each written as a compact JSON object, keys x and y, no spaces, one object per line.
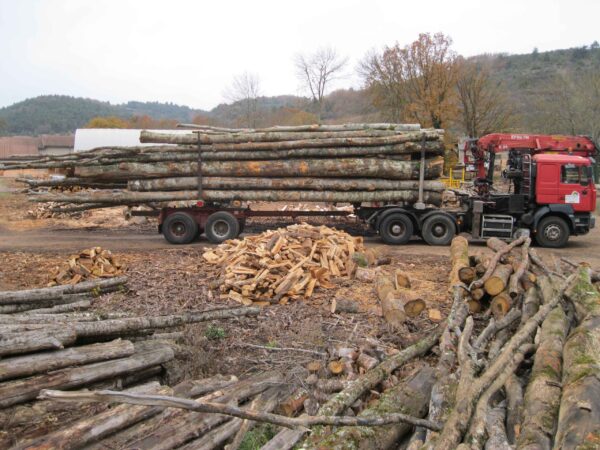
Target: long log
{"x":57,"y":292}
{"x":459,"y":259}
{"x":131,"y":324}
{"x":326,"y":139}
{"x":49,"y":338}
{"x":173,"y":427}
{"x":22,"y":366}
{"x":84,"y":431}
{"x":127,"y":197}
{"x":410,"y":397}
{"x":312,"y":127}
{"x":338,"y":167}
{"x":579,"y":413}
{"x":297,"y":183}
{"x":542,"y":395}
{"x":19,"y":391}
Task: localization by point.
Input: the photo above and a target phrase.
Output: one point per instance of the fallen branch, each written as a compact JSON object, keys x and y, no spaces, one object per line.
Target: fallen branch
{"x":234,"y":411}
{"x":281,"y":349}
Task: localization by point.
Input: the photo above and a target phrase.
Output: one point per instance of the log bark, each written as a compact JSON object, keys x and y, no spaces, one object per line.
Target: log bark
{"x":313,"y":127}
{"x":59,"y":309}
{"x":22,"y":366}
{"x":494,"y":425}
{"x":133,"y":198}
{"x":302,"y":139}
{"x":579,"y":413}
{"x":410,"y":397}
{"x":58,"y":292}
{"x":132,"y":324}
{"x":515,"y":278}
{"x":459,"y":259}
{"x":20,"y":391}
{"x":514,"y":408}
{"x":297,"y":183}
{"x":174,"y":427}
{"x":85,"y":431}
{"x":49,"y":338}
{"x":339,"y":167}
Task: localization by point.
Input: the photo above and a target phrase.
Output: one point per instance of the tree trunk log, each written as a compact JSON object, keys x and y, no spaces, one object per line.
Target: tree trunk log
{"x":85,"y":431}
{"x":19,"y":391}
{"x":134,"y":198}
{"x":410,"y":397}
{"x":339,"y":167}
{"x":58,"y":292}
{"x":579,"y":413}
{"x":302,"y":139}
{"x":22,"y":366}
{"x":498,"y":281}
{"x":297,"y":183}
{"x":50,"y":338}
{"x":459,"y":259}
{"x":494,"y":425}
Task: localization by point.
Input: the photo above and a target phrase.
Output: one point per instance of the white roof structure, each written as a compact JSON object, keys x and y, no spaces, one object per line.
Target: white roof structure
{"x":89,"y":138}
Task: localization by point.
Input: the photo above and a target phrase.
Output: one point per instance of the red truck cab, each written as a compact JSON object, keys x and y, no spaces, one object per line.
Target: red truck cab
{"x":565,"y":179}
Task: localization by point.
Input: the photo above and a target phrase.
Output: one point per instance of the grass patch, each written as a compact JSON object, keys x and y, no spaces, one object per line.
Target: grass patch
{"x":258,"y":436}
{"x":214,"y":332}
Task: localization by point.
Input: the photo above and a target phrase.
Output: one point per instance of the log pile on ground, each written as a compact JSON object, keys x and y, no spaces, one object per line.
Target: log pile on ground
{"x":350,"y":163}
{"x":283,"y":264}
{"x":53,"y":347}
{"x":94,"y":262}
{"x":523,"y":374}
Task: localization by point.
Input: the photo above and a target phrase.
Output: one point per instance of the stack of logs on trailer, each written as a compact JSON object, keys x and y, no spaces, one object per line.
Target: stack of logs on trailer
{"x":525,"y":376}
{"x":350,"y":163}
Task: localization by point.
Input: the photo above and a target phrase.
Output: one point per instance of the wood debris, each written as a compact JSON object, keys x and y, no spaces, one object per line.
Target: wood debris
{"x":283,"y":264}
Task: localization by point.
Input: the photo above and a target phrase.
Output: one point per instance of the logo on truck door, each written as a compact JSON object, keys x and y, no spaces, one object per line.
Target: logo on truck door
{"x":573,"y":197}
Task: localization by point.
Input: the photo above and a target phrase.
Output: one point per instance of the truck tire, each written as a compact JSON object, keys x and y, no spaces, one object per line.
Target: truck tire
{"x":179,"y":228}
{"x":396,"y":229}
{"x":438,"y":229}
{"x":552,"y":232}
{"x":221,"y":226}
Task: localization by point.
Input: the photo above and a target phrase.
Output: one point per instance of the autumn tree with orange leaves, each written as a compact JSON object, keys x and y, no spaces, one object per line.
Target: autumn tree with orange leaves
{"x":416,"y":82}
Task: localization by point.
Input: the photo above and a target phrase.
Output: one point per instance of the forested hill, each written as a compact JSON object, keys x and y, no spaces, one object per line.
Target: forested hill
{"x":530,"y":80}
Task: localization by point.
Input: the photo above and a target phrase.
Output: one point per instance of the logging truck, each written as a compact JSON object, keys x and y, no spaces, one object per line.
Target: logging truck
{"x":552,"y":196}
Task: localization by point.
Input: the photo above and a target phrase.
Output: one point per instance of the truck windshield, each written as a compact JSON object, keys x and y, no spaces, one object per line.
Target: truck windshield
{"x":574,"y":174}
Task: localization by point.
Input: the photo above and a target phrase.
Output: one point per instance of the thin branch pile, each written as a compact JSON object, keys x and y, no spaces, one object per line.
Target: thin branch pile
{"x":350,"y":163}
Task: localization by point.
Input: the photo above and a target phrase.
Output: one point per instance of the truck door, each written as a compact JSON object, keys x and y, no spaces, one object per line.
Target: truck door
{"x":576,"y":187}
{"x":546,"y":186}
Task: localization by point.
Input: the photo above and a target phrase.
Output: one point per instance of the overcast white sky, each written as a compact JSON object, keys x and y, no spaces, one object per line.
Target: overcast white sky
{"x":187,"y":52}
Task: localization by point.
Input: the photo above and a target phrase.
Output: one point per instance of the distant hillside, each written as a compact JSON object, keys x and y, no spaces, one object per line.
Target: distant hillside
{"x":529,"y":78}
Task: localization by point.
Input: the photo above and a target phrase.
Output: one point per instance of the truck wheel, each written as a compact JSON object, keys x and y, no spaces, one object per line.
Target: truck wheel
{"x":438,"y":229}
{"x":179,"y":228}
{"x":221,"y":226}
{"x":552,"y":232}
{"x":396,"y":229}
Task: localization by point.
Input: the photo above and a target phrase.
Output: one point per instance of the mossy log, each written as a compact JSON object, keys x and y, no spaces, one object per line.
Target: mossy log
{"x":112,"y":198}
{"x":296,"y":183}
{"x":339,"y":167}
{"x":579,"y":414}
{"x":410,"y":397}
{"x":542,"y":395}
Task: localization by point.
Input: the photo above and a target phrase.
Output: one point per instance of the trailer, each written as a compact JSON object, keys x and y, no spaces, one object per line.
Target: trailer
{"x":553,"y":197}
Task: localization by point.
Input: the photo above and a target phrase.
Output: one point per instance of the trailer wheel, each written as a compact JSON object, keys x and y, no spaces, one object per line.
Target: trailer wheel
{"x":221,"y":226}
{"x":396,"y":229}
{"x":552,"y":232}
{"x":438,"y":229}
{"x":179,"y":228}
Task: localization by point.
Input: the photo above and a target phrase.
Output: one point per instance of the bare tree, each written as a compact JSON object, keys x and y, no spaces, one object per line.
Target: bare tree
{"x":483,"y":105}
{"x":245,"y":88}
{"x":317,"y":71}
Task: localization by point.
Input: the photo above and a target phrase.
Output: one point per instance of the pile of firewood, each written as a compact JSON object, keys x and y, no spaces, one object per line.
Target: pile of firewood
{"x":526,"y":374}
{"x":94,"y":262}
{"x":350,"y":163}
{"x":287,"y":263}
